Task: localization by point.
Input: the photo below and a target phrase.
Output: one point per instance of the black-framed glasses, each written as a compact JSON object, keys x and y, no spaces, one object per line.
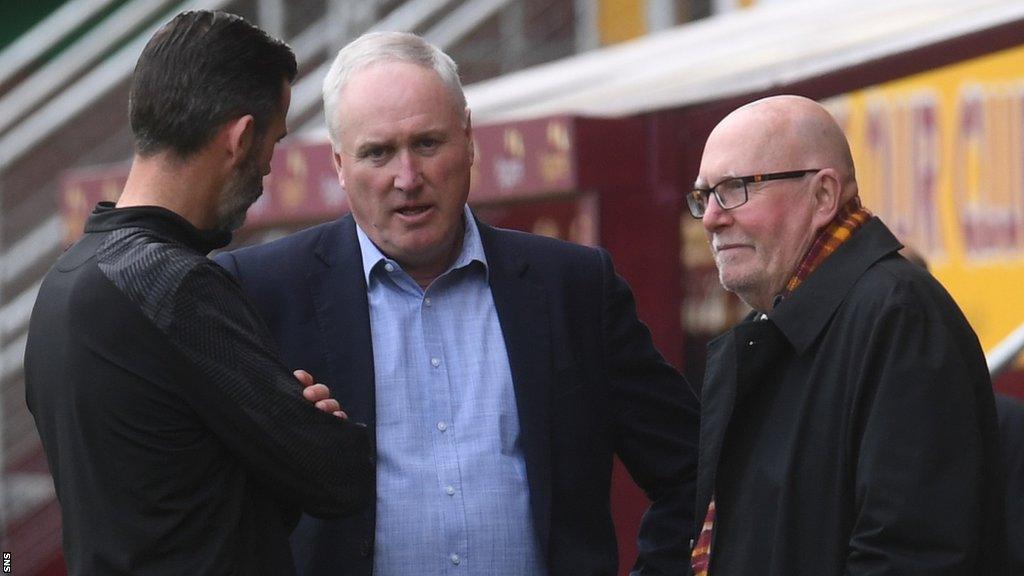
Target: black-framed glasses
{"x":732,"y":192}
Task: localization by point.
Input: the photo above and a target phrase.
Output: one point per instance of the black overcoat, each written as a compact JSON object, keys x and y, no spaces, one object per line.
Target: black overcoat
{"x":853,"y":431}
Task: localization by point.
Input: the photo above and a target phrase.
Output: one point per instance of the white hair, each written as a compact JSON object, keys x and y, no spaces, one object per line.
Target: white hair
{"x":374,"y":48}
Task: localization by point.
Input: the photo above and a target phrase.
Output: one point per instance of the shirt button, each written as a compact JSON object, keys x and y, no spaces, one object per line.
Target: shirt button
{"x":389,"y":267}
{"x":449,"y":490}
{"x":442,"y":426}
{"x":427,"y":302}
{"x":456,"y":559}
{"x":435,"y":362}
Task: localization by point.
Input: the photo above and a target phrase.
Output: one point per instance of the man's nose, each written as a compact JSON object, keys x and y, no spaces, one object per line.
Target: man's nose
{"x":714,"y":215}
{"x":409,"y":175}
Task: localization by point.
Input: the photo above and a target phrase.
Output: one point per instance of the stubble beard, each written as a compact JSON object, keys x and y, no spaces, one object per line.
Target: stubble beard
{"x":745,"y":284}
{"x":240,"y":193}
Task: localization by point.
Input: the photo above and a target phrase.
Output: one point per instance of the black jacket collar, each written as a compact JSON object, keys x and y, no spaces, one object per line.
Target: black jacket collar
{"x":106,"y":217}
{"x":806,"y":312}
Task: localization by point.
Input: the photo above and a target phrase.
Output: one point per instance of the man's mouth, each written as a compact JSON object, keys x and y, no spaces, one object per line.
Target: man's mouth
{"x":725,"y":246}
{"x":413,"y":213}
{"x":413,"y":210}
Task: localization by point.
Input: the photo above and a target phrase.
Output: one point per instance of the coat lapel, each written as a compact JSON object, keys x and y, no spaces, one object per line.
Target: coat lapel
{"x":339,"y":294}
{"x":737,"y":361}
{"x":522,"y":313}
{"x":718,"y":396}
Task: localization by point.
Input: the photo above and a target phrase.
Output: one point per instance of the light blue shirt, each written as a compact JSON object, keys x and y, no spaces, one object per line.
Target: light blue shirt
{"x":452,"y":496}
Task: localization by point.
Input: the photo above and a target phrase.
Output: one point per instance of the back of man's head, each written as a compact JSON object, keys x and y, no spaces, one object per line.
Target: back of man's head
{"x":199,"y":71}
{"x":378,"y":47}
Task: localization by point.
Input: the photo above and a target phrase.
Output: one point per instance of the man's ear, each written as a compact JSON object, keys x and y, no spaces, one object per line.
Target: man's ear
{"x":239,"y":138}
{"x":469,"y":137}
{"x":336,"y":160}
{"x":828,"y":194}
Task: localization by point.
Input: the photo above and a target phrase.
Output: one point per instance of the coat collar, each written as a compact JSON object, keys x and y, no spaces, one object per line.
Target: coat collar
{"x":338,"y":243}
{"x":106,"y":217}
{"x":803,"y":316}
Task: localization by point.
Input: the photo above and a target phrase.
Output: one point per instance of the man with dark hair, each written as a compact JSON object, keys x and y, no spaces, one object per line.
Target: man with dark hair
{"x":193,"y":77}
{"x":178,"y":441}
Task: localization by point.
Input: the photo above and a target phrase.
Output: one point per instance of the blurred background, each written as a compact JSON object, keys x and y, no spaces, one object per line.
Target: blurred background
{"x":590,"y":117}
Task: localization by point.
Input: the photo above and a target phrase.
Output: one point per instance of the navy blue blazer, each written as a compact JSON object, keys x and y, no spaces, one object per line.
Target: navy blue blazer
{"x":589,"y":384}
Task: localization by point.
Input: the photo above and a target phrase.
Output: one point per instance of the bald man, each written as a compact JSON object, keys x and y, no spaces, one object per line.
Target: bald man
{"x":848,"y":425}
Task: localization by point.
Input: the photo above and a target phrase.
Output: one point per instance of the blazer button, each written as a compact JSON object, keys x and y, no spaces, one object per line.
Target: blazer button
{"x":366,"y":548}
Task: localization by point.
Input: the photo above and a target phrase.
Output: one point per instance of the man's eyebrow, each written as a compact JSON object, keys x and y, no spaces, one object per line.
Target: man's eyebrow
{"x":702,"y":182}
{"x":433,"y":131}
{"x":361,"y":148}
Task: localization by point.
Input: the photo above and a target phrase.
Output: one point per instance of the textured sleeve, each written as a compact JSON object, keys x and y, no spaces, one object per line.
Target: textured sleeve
{"x":254,"y":404}
{"x":656,"y":430}
{"x":920,"y":441}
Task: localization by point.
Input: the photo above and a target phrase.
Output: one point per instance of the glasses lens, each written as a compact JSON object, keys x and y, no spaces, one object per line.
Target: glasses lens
{"x":697,"y":201}
{"x":731,"y":193}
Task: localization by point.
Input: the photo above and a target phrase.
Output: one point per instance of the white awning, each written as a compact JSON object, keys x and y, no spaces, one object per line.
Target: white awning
{"x":731,"y":54}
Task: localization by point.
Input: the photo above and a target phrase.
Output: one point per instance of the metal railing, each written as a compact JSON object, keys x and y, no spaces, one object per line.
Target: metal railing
{"x":1003,"y":354}
{"x":81,"y":94}
{"x":32,"y":45}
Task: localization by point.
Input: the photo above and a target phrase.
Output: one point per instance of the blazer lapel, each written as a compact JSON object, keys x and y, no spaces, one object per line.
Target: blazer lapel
{"x":522,"y":313}
{"x":339,"y":295}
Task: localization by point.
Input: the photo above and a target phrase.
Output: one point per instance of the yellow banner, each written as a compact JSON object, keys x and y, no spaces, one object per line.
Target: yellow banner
{"x":940,"y":158}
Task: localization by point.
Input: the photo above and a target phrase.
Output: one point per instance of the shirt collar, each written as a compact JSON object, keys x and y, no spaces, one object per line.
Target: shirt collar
{"x":472,"y":249}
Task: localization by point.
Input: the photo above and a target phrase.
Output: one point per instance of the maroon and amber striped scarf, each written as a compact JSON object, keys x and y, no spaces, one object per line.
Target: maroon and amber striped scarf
{"x":849,"y":218}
